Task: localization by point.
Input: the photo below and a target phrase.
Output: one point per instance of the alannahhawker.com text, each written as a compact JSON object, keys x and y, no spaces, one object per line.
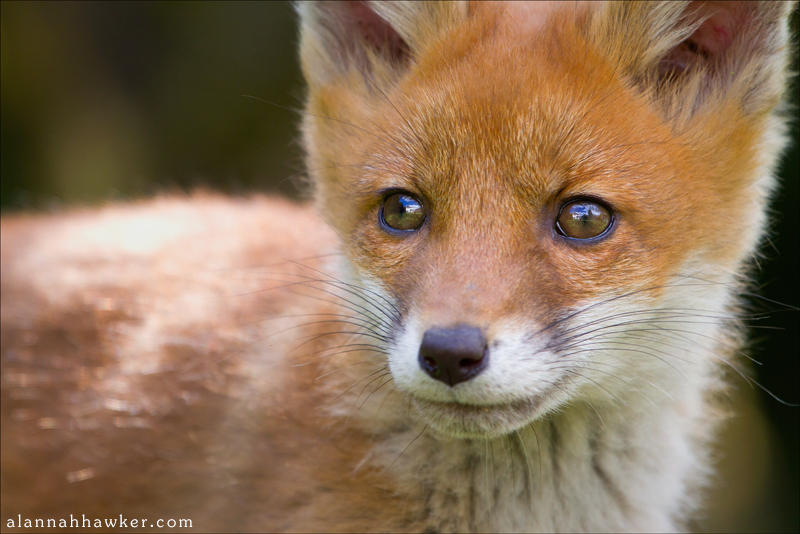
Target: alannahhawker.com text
{"x":82,"y":521}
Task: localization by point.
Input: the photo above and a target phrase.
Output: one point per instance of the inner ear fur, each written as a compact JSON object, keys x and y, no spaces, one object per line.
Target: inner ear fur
{"x":693,"y":54}
{"x":373,"y":40}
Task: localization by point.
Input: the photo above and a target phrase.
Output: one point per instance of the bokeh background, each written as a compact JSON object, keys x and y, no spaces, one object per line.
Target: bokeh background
{"x":110,"y":101}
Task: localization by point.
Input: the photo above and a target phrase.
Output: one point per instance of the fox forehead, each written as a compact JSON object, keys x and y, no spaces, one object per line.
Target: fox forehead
{"x":517,"y":120}
{"x":517,"y":131}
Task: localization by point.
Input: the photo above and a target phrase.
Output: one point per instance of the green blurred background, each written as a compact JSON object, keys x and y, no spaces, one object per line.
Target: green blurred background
{"x":105,"y":101}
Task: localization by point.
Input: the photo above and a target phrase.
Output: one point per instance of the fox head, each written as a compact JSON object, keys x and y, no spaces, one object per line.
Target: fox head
{"x":544,"y":203}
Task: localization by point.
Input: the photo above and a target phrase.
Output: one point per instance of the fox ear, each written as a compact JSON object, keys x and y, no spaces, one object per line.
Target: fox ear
{"x":691,"y":53}
{"x":376,"y":40}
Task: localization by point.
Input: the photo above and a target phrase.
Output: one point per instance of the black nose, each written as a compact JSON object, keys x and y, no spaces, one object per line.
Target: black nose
{"x":455,"y":354}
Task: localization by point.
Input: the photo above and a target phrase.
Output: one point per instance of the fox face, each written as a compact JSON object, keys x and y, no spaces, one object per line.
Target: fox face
{"x":548,"y":203}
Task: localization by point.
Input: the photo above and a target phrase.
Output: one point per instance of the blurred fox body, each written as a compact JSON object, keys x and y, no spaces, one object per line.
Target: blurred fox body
{"x":541,"y":214}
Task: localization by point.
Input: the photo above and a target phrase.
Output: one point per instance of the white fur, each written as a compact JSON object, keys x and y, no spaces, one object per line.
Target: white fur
{"x":619,"y":446}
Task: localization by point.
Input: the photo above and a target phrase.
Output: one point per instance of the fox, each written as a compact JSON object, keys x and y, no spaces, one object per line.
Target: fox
{"x":511,"y":303}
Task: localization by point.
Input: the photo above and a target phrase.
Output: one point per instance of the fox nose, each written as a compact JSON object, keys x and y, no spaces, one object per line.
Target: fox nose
{"x":454,"y":354}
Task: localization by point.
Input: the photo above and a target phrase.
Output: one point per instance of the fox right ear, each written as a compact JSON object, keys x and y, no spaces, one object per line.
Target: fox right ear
{"x":373,"y":40}
{"x":690,"y":53}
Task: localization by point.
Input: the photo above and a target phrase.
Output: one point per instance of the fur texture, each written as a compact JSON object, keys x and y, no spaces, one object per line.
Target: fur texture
{"x":165,"y":357}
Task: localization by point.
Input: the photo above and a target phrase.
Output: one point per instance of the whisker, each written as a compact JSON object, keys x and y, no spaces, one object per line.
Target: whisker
{"x":315,"y":337}
{"x":389,"y":379}
{"x":785,"y":306}
{"x":523,"y":452}
{"x":582,"y":365}
{"x":339,"y":370}
{"x":397,"y":312}
{"x":673,"y":334}
{"x":581,"y":375}
{"x":661,"y":315}
{"x":353,"y":347}
{"x":279,"y":263}
{"x":409,"y":445}
{"x":370,"y":377}
{"x":635,"y":351}
{"x":354,"y":322}
{"x":609,"y":300}
{"x":348,"y":303}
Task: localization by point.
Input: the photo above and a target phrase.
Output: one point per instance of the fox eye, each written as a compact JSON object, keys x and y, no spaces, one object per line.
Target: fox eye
{"x":583,"y":219}
{"x":402,"y":211}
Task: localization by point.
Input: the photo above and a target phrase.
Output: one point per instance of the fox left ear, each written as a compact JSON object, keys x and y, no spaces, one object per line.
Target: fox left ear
{"x":367,"y":40}
{"x":688,"y":53}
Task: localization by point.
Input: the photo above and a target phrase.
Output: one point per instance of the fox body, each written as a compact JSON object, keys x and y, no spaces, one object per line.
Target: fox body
{"x":515,"y":316}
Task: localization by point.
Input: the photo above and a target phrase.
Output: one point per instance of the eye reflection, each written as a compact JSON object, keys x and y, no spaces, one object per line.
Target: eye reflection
{"x":583,"y":219}
{"x":402,"y":212}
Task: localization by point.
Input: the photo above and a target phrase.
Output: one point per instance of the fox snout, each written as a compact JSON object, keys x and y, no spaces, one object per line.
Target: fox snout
{"x":453,"y":354}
